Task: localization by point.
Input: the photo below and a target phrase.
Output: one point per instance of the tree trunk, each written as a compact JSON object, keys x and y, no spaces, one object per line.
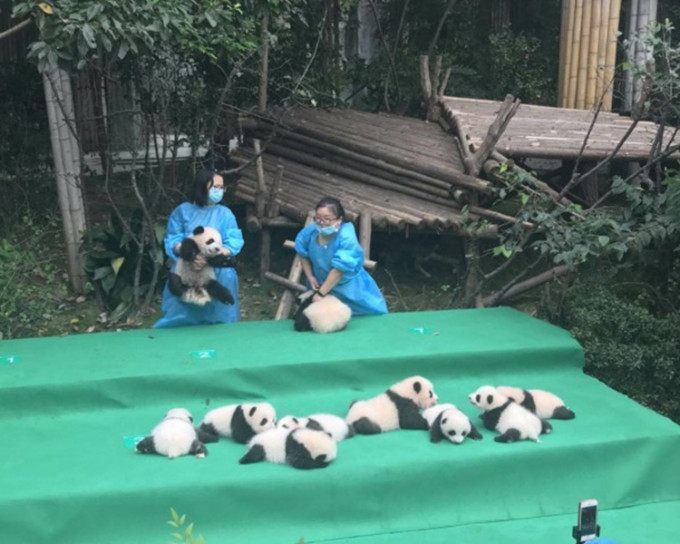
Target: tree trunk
{"x":66,"y":154}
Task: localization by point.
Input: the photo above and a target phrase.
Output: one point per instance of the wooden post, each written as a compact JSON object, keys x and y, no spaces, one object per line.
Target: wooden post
{"x":365,"y":233}
{"x":610,"y":55}
{"x":271,"y":211}
{"x":287,"y":299}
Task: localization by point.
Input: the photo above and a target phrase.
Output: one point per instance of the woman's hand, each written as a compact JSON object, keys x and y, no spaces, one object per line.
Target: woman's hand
{"x":225,"y":252}
{"x":313,"y":283}
{"x":199,"y":262}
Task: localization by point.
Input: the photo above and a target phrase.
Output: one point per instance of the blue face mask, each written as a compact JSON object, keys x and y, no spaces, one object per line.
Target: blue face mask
{"x":327,"y":231}
{"x":215,"y":195}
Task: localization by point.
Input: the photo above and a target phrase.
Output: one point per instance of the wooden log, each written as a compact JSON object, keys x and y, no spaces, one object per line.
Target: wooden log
{"x":287,"y":299}
{"x":253,"y":224}
{"x":368,"y":263}
{"x":285,"y":282}
{"x":261,"y":184}
{"x":385,"y":154}
{"x":272,"y":208}
{"x":365,"y":232}
{"x":279,"y":221}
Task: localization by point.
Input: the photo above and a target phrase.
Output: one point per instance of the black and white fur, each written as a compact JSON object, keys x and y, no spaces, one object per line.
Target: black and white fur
{"x":397,"y":408}
{"x":173,"y":437}
{"x":544,"y":404}
{"x":299,"y":448}
{"x":240,"y":422}
{"x":329,"y":314}
{"x":200,"y":287}
{"x":504,"y":415}
{"x":447,"y":421}
{"x":332,"y":424}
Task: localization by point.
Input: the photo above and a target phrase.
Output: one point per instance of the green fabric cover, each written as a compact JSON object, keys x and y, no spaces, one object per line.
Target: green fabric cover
{"x":69,"y":403}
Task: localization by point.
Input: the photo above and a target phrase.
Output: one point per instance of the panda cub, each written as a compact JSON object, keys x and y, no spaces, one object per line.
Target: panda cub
{"x":332,"y":424}
{"x":301,"y":448}
{"x":329,"y":314}
{"x":504,"y":415}
{"x":544,"y":404}
{"x":447,"y":421}
{"x":397,"y":408}
{"x":240,"y":422}
{"x":200,"y":287}
{"x":173,"y":437}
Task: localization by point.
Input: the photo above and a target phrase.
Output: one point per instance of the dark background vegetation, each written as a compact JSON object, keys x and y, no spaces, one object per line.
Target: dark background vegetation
{"x":623,"y":311}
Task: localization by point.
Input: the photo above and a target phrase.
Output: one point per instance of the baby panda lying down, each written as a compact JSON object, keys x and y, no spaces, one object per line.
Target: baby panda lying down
{"x":240,"y":422}
{"x":447,"y":421}
{"x":544,"y":404}
{"x":337,"y":427}
{"x":502,"y":414}
{"x":301,"y":448}
{"x":397,"y":408}
{"x":173,"y":437}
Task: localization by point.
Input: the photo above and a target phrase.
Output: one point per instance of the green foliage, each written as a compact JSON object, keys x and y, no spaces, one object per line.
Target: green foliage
{"x":81,"y":31}
{"x":518,"y":65}
{"x":32,"y":289}
{"x":112,"y":257}
{"x":184,"y":534}
{"x":625,"y":344}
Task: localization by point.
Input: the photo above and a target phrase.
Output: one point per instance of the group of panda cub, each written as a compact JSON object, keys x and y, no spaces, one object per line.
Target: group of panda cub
{"x":311,"y":442}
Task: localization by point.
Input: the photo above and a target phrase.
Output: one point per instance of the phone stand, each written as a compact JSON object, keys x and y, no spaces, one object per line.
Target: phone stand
{"x":577,"y":534}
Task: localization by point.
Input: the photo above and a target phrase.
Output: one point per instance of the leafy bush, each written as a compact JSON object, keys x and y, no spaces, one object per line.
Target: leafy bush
{"x":626,"y":346}
{"x":112,"y":264}
{"x":186,"y":535}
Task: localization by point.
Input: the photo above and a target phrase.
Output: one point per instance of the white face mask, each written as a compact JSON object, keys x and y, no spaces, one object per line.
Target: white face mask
{"x":215,"y":195}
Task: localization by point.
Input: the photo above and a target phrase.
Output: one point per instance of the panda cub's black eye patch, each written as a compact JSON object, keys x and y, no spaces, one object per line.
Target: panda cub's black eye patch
{"x":264,"y":421}
{"x":478,"y":397}
{"x":430,"y":394}
{"x":464,"y":433}
{"x":489,"y":399}
{"x":452,"y":433}
{"x":211,"y":241}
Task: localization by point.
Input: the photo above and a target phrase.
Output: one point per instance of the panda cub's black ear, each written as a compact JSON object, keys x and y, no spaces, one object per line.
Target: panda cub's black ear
{"x":417,"y":387}
{"x":198,"y":230}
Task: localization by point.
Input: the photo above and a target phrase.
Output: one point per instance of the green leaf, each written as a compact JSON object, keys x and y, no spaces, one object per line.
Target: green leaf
{"x":102,"y":272}
{"x":604,"y":240}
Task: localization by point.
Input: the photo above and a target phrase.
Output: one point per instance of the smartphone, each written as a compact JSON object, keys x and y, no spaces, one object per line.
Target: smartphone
{"x":587,"y":520}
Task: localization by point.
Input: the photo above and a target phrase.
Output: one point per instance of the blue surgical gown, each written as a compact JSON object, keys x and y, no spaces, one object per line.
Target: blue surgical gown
{"x":182,"y":222}
{"x":357,"y":288}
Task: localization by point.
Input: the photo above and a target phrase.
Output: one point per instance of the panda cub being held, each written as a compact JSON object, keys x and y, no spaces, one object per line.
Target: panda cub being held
{"x":329,"y":314}
{"x":397,"y":408}
{"x":200,"y":287}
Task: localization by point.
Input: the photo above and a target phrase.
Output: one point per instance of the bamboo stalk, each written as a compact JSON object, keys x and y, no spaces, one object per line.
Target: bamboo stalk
{"x":593,"y":46}
{"x":575,"y":55}
{"x":610,"y":57}
{"x":583,"y":55}
{"x":566,"y":37}
{"x":603,"y":34}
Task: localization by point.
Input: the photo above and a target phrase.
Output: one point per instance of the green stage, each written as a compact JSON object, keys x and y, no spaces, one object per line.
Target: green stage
{"x":68,"y":404}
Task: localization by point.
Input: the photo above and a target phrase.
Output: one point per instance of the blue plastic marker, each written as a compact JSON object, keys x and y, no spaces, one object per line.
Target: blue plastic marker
{"x":9,"y":359}
{"x":204,"y":354}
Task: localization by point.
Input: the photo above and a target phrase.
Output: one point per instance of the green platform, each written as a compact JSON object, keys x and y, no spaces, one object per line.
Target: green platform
{"x":68,"y":403}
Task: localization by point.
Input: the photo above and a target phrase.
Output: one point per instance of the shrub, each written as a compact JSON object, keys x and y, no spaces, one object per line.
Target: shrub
{"x":625,"y":345}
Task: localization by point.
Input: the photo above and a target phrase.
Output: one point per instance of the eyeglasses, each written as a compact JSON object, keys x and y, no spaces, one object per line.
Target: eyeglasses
{"x":324,"y":220}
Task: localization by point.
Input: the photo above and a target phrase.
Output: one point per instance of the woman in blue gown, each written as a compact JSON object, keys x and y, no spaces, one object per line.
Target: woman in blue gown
{"x":333,"y":260}
{"x":205,"y":210}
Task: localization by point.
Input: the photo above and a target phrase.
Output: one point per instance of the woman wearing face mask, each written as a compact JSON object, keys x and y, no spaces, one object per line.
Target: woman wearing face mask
{"x":333,"y":260}
{"x":206,"y":211}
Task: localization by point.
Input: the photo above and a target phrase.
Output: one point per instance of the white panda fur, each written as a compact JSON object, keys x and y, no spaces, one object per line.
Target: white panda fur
{"x":397,"y":408}
{"x":240,"y":422}
{"x":200,"y":287}
{"x":447,"y":421}
{"x":544,"y":404}
{"x":504,"y":415}
{"x":329,"y":314}
{"x":299,"y":448}
{"x":330,"y":423}
{"x":173,"y":437}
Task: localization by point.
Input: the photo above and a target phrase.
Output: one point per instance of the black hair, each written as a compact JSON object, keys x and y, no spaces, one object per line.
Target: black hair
{"x":333,"y":204}
{"x":203,"y":177}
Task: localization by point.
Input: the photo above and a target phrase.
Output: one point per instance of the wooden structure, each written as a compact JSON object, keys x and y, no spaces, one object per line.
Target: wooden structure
{"x":557,"y":133}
